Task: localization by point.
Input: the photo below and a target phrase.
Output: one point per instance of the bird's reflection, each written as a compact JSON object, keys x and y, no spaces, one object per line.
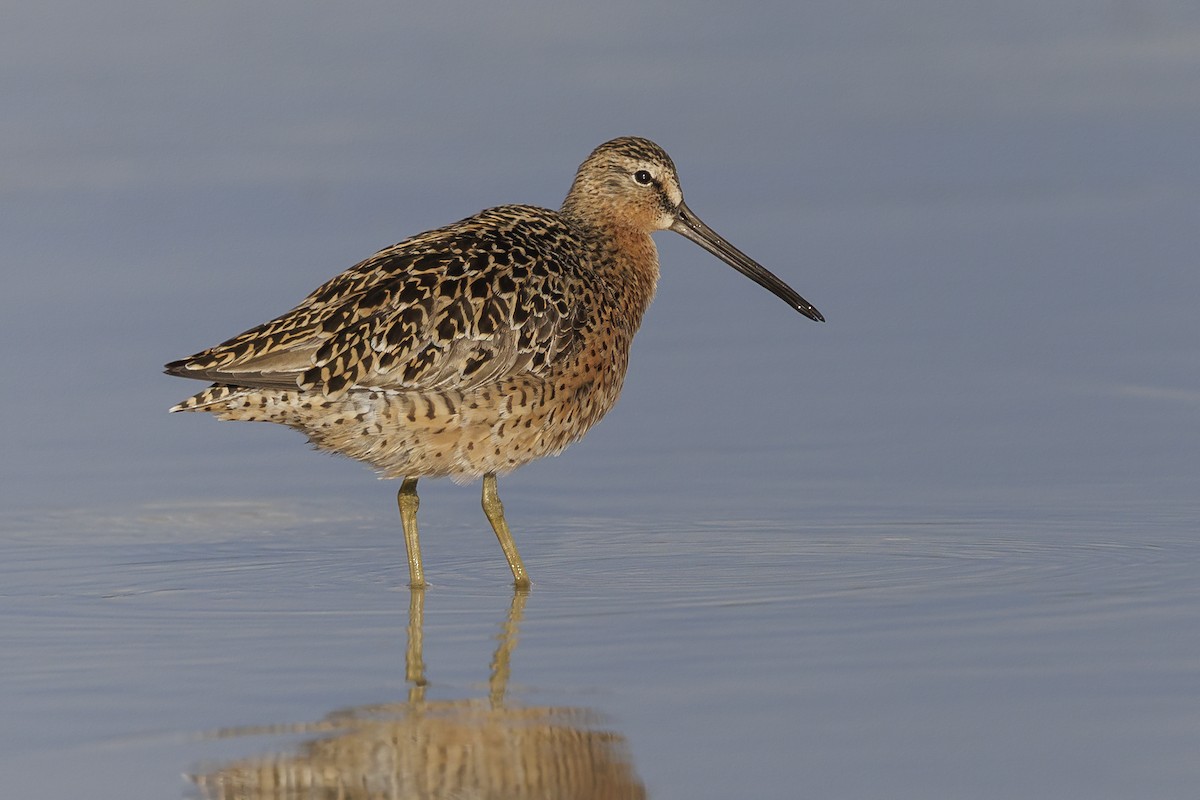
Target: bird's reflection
{"x":469,"y":748}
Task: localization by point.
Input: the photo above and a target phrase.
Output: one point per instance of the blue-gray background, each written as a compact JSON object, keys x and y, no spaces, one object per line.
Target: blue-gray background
{"x":996,"y":206}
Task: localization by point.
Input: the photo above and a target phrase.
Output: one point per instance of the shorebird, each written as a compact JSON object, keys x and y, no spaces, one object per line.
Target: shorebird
{"x":470,"y":350}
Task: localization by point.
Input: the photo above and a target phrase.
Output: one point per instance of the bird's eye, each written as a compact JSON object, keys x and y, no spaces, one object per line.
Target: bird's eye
{"x":643,"y":177}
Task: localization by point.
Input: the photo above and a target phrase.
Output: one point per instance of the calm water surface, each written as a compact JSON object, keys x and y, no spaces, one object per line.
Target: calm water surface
{"x":944,"y":545}
{"x":943,"y":657}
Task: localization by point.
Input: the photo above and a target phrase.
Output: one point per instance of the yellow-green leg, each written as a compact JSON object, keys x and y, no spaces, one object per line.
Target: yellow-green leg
{"x":409,"y":502}
{"x":495,"y":514}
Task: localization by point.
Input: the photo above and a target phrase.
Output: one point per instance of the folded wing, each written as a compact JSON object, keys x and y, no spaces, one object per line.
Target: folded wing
{"x":459,"y":306}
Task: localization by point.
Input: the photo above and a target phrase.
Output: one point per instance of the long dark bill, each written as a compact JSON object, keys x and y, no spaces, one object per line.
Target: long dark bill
{"x":689,"y":225}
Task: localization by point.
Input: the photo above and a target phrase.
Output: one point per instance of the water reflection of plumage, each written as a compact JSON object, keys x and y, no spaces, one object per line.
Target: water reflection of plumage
{"x":471,"y":748}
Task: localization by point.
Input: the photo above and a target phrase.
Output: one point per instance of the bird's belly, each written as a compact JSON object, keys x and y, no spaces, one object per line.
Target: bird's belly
{"x":465,"y":435}
{"x":493,"y":428}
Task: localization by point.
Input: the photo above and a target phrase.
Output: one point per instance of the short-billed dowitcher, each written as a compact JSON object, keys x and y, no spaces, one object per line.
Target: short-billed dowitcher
{"x":472,"y":349}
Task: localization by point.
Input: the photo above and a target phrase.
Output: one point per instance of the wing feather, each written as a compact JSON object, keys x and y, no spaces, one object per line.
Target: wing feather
{"x":476,"y":301}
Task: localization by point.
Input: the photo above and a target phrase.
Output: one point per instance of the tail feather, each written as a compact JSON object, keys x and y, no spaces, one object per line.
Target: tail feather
{"x":207,"y":400}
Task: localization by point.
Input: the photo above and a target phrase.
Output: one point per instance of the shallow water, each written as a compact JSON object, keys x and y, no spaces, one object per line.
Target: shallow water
{"x":944,"y":545}
{"x":937,"y":657}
